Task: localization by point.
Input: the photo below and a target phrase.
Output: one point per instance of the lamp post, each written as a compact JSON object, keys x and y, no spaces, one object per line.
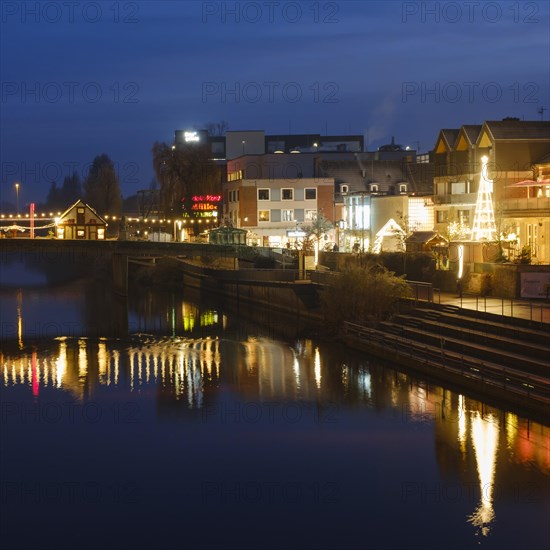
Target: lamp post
{"x":17,"y":197}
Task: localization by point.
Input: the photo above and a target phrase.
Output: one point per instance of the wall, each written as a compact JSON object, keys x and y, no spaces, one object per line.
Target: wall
{"x":254,"y":143}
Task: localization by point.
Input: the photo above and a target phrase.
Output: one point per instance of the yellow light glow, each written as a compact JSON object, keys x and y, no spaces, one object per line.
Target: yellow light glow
{"x":485,"y":442}
{"x":61,"y":363}
{"x":317,"y":362}
{"x":462,"y":424}
{"x":460,"y":260}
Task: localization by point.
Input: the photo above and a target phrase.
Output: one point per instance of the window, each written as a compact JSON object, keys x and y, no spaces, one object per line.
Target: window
{"x":311,"y":194}
{"x":234,"y":176}
{"x":80,"y":234}
{"x":458,"y":188}
{"x":288,"y":215}
{"x":532,"y":238}
{"x":100,"y":233}
{"x":441,"y":216}
{"x":263,"y":195}
{"x":374,"y":188}
{"x":464,"y":217}
{"x":344,"y":188}
{"x":402,"y":188}
{"x":311,"y":215}
{"x":287,"y":194}
{"x":263,"y":215}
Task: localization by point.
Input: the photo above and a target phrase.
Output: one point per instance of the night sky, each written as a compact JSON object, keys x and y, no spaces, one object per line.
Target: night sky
{"x":81,"y":79}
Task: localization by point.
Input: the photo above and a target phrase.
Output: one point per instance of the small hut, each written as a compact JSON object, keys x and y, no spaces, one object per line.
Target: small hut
{"x":425,"y":241}
{"x":80,"y":221}
{"x":228,"y":235}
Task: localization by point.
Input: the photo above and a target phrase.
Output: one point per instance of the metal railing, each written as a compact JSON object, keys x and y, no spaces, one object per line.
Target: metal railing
{"x":441,"y":359}
{"x":535,"y":312}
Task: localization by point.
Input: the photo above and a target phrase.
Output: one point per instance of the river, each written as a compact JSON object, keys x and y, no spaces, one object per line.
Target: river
{"x":176,"y":421}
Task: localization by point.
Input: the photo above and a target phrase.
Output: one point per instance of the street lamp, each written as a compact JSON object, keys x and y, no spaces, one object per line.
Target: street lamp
{"x":17,"y":197}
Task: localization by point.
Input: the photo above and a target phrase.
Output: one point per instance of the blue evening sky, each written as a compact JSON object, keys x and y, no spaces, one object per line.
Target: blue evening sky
{"x":84,"y":78}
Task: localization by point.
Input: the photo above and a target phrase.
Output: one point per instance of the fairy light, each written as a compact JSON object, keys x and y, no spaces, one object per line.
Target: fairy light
{"x":484,"y":227}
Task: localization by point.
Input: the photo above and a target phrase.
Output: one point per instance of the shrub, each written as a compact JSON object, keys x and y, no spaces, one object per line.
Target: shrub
{"x":363,"y":295}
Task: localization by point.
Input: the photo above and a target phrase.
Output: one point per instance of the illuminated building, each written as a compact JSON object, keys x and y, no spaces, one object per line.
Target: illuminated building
{"x":518,"y":165}
{"x":80,"y":221}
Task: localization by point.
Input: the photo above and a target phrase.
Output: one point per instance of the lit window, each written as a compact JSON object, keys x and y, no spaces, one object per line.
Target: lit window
{"x":287,"y":194}
{"x":311,"y":194}
{"x":458,"y":188}
{"x":464,"y":217}
{"x":288,"y":215}
{"x":310,"y":214}
{"x":100,"y":233}
{"x":263,"y":194}
{"x":263,"y":215}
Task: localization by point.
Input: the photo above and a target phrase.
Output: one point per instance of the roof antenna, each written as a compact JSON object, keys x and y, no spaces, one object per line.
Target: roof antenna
{"x":540,"y":111}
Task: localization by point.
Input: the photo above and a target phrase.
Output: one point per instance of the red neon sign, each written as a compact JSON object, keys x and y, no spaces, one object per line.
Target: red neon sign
{"x":207,"y":198}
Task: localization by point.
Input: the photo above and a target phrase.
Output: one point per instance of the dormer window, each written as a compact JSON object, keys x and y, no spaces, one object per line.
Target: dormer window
{"x":374,"y":188}
{"x":344,"y":189}
{"x":403,"y":188}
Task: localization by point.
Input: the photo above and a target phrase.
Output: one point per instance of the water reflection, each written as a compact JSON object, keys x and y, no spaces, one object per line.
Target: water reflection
{"x":264,"y":369}
{"x":485,"y":442}
{"x":186,"y":358}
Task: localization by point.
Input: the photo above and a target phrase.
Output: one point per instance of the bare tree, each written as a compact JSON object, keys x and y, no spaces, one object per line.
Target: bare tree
{"x":217,"y":128}
{"x":183,"y":173}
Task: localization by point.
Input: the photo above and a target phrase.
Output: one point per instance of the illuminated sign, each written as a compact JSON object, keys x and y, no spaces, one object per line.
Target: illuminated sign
{"x":204,"y":206}
{"x":190,"y":136}
{"x":206,"y":214}
{"x":207,"y":198}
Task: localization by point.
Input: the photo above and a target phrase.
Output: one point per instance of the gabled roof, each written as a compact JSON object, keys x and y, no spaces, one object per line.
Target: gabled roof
{"x":467,"y":136}
{"x":424,"y":237}
{"x":517,"y":130}
{"x":85,"y":206}
{"x":446,"y":140}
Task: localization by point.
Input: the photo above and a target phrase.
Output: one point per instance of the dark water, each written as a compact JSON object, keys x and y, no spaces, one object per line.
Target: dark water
{"x":176,"y":423}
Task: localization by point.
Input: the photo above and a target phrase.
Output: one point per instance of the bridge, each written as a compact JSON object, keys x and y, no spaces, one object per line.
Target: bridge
{"x":203,"y":265}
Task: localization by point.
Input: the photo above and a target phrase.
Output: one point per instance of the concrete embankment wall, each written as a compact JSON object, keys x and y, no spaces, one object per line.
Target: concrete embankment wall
{"x":385,"y":349}
{"x":274,"y":289}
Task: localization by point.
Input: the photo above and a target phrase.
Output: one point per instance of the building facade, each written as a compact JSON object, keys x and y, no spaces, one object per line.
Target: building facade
{"x":80,"y":221}
{"x":516,"y":154}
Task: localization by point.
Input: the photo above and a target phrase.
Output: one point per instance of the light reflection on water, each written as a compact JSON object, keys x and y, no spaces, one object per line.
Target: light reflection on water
{"x":195,"y":370}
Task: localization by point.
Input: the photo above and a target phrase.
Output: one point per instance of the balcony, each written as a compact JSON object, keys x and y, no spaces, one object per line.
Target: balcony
{"x":519,"y":207}
{"x":462,"y":198}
